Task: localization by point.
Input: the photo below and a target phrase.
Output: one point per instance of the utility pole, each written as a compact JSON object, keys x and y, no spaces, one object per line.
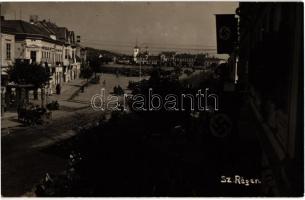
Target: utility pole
{"x":140,"y":71}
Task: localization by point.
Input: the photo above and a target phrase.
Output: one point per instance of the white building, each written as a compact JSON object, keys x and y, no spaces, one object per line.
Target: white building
{"x":36,"y":45}
{"x":7,"y":54}
{"x":43,"y":43}
{"x":136,"y":51}
{"x":7,"y":51}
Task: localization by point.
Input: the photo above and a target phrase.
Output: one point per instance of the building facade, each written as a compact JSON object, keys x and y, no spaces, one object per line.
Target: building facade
{"x":270,"y":67}
{"x":7,"y":50}
{"x":167,"y":58}
{"x":7,"y":54}
{"x":184,"y":60}
{"x":39,"y":42}
{"x":43,"y":43}
{"x":70,"y":65}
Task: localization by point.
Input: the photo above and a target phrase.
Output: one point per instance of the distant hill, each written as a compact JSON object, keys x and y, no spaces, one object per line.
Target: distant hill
{"x":92,"y":52}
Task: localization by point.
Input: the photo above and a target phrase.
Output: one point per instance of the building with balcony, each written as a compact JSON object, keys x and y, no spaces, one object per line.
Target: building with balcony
{"x":71,"y":66}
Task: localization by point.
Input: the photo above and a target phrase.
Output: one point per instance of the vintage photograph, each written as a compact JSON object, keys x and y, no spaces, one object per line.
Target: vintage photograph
{"x":152,"y":99}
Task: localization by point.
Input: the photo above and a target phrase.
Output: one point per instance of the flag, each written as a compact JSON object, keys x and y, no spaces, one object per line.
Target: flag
{"x":226,"y":26}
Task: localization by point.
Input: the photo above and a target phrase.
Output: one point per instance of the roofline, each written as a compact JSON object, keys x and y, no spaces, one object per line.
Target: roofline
{"x":39,"y":36}
{"x":19,"y":36}
{"x":7,"y":32}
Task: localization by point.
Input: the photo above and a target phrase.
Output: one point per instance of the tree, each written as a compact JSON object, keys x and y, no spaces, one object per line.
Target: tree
{"x":33,"y":74}
{"x":95,"y":64}
{"x":86,"y":72}
{"x":23,"y":73}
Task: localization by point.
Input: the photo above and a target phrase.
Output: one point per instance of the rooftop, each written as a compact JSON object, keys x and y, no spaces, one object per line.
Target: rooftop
{"x":22,"y":27}
{"x":38,"y":29}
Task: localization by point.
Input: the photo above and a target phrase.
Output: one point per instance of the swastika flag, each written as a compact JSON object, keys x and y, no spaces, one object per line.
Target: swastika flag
{"x":226,"y":27}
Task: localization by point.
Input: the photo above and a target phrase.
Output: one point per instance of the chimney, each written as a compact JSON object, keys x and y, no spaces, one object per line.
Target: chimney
{"x":33,"y":19}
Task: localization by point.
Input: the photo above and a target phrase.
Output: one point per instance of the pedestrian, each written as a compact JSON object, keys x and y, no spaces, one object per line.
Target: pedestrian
{"x":58,"y":89}
{"x":18,"y":112}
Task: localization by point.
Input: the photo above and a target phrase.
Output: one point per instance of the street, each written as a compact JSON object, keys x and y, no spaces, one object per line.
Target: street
{"x":24,"y":159}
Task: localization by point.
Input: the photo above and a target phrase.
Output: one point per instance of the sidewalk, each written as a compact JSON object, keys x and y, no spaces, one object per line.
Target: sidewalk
{"x":69,"y":89}
{"x":9,"y":119}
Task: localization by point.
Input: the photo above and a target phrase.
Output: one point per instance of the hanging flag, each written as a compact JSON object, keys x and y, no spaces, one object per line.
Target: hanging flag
{"x":226,"y":26}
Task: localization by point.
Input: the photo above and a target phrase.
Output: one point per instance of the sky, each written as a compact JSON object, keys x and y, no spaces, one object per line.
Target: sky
{"x":118,"y":26}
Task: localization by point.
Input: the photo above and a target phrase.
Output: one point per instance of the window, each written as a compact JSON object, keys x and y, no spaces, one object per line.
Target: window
{"x":33,"y":56}
{"x":8,"y":51}
{"x":66,"y":54}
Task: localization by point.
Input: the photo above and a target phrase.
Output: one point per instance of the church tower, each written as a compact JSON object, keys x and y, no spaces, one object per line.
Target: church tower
{"x":136,"y":51}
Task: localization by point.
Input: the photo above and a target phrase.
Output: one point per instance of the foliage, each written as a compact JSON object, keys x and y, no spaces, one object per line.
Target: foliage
{"x":118,"y":90}
{"x":95,"y":64}
{"x":121,"y":157}
{"x":188,"y":72}
{"x":86,"y":71}
{"x":24,"y":73}
{"x":32,"y":116}
{"x":54,"y":105}
{"x":200,"y":60}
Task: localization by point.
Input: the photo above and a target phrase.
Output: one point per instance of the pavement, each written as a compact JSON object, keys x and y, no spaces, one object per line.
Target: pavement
{"x":10,"y":118}
{"x":69,"y":89}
